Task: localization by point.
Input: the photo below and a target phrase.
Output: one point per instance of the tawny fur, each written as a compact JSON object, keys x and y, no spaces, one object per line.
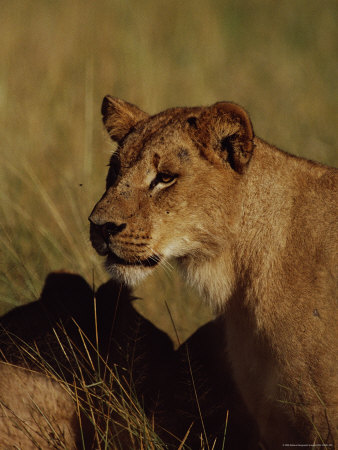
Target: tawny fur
{"x":35,"y":411}
{"x":255,"y":229}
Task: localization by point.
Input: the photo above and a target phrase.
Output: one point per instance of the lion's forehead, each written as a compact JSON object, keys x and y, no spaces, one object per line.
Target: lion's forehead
{"x":168,"y":144}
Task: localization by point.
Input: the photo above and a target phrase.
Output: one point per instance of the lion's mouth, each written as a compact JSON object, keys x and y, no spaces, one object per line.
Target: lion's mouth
{"x":149,"y":262}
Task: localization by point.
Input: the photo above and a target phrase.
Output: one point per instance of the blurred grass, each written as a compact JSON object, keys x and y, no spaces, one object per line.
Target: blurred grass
{"x":58,"y":60}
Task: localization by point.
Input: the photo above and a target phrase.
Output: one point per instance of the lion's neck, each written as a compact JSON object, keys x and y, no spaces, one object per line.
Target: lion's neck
{"x":243,"y":267}
{"x":265,"y":223}
{"x":254,"y":264}
{"x":213,"y":278}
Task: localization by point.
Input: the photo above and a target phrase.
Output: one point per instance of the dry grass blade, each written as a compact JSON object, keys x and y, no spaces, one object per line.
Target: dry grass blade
{"x":181,"y":446}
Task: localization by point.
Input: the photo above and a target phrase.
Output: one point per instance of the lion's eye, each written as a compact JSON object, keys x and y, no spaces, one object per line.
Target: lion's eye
{"x":165,"y":178}
{"x":162,"y":177}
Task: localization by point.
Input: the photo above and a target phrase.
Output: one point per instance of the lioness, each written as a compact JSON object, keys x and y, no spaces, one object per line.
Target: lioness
{"x":252,"y":227}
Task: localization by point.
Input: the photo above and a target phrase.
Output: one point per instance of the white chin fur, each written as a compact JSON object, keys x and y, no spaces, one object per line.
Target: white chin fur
{"x":127,"y":274}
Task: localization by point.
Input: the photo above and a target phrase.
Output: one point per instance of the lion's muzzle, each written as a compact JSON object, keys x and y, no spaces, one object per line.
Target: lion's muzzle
{"x":105,"y":240}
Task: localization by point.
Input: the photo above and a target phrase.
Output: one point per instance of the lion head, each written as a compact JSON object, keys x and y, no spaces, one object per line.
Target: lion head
{"x":172,"y":185}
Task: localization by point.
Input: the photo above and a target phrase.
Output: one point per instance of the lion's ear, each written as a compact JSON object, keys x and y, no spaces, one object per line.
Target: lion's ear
{"x":231,"y":134}
{"x":120,"y":116}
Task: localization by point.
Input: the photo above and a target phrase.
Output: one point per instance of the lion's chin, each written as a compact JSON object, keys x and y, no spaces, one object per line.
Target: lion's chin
{"x":127,"y":274}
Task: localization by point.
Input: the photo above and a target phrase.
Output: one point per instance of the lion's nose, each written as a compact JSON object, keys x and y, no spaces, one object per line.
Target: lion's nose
{"x":107,"y":229}
{"x":111,"y":228}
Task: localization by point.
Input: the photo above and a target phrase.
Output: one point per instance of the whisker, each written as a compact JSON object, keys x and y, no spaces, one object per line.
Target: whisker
{"x":167,"y":267}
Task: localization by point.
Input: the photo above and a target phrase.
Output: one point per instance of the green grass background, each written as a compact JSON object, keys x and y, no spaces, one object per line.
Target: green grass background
{"x":59,"y":58}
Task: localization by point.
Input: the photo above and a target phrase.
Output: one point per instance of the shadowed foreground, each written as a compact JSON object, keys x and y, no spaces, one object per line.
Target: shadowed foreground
{"x":108,"y":375}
